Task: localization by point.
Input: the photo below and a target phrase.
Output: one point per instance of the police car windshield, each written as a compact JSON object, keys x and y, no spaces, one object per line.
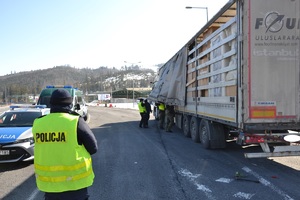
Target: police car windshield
{"x":18,"y":119}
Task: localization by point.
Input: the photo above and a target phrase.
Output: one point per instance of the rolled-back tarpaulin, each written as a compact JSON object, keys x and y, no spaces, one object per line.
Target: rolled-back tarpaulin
{"x":170,"y":86}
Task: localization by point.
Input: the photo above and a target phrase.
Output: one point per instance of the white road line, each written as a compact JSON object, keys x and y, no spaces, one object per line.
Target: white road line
{"x":186,"y":173}
{"x":268,"y":184}
{"x":191,"y":177}
{"x":224,"y":180}
{"x":243,"y":195}
{"x":33,"y":194}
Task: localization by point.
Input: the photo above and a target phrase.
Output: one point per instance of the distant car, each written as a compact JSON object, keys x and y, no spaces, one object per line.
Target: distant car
{"x":93,"y":103}
{"x":16,"y":139}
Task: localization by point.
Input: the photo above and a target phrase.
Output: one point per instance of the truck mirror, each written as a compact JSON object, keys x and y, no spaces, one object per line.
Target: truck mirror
{"x":77,"y":106}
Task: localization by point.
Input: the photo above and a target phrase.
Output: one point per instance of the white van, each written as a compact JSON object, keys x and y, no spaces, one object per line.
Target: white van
{"x":78,"y":105}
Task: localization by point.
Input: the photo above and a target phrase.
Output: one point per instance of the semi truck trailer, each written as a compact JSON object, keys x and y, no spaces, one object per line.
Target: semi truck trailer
{"x":238,"y":78}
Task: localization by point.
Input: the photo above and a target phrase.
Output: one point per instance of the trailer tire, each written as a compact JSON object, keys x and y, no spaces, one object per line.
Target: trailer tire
{"x":204,"y":132}
{"x":194,"y":127}
{"x":155,"y":113}
{"x":186,"y":126}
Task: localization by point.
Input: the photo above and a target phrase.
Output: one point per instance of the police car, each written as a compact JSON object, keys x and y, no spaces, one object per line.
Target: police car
{"x":16,"y":139}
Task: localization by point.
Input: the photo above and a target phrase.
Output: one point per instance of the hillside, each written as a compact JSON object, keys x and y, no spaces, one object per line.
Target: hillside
{"x":88,"y":80}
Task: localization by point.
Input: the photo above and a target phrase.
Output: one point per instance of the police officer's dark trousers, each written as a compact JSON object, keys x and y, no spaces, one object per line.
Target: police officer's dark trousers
{"x":143,"y":122}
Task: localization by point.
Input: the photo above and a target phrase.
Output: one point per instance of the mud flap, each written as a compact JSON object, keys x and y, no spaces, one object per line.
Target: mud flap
{"x":217,"y":136}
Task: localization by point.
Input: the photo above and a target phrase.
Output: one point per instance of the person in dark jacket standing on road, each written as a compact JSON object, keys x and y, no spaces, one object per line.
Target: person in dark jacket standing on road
{"x":64,"y":144}
{"x":148,"y":110}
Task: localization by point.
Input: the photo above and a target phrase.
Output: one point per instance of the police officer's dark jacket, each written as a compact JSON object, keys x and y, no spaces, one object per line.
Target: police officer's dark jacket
{"x":84,"y":134}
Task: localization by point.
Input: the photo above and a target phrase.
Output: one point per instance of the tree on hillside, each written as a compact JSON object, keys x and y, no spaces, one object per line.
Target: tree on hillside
{"x":88,"y":80}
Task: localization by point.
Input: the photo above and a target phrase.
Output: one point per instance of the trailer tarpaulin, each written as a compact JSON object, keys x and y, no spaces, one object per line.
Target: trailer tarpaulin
{"x":170,"y":86}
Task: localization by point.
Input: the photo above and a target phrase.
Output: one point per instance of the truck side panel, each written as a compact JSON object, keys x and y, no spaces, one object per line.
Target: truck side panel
{"x":212,"y":70}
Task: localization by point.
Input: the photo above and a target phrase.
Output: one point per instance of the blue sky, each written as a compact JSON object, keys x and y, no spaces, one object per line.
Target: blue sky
{"x":40,"y":34}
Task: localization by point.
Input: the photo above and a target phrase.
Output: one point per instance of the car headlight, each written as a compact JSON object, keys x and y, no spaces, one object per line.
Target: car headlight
{"x":30,"y":140}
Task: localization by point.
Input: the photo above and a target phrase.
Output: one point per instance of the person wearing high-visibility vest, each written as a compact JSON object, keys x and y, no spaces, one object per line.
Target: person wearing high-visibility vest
{"x":64,"y":144}
{"x":143,"y":113}
{"x":161,"y":109}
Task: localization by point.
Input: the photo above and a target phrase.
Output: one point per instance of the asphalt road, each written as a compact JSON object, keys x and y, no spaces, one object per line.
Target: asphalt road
{"x":149,"y":164}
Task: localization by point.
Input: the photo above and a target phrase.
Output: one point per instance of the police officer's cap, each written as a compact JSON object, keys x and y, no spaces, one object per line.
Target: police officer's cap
{"x":60,"y":97}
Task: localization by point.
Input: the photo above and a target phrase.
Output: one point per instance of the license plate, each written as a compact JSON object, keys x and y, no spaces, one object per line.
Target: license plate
{"x":4,"y":152}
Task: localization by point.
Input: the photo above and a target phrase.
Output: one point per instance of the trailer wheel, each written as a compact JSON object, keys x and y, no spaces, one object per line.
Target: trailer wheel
{"x":204,"y":131}
{"x":186,"y":126}
{"x":194,"y":126}
{"x":155,"y":113}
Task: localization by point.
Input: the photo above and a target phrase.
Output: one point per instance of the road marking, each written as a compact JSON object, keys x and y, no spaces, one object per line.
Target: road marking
{"x":224,"y":180}
{"x":240,"y":195}
{"x":33,"y":194}
{"x":192,"y":177}
{"x":186,"y":173}
{"x":268,"y":184}
{"x":243,"y":195}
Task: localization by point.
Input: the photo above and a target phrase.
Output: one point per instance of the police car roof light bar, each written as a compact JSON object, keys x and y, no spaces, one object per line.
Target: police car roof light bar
{"x":59,"y":86}
{"x":12,"y":107}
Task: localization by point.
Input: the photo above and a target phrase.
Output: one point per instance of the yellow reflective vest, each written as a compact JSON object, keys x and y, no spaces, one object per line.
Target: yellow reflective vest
{"x":161,"y":106}
{"x":60,"y":163}
{"x":142,"y":109}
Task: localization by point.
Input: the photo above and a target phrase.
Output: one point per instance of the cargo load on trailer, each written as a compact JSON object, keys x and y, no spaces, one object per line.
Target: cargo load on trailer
{"x":239,"y":78}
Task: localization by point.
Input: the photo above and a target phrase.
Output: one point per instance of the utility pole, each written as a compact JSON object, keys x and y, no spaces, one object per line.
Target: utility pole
{"x":206,"y":8}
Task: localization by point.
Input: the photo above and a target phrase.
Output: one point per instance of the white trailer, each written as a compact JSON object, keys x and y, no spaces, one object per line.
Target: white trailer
{"x":239,"y":77}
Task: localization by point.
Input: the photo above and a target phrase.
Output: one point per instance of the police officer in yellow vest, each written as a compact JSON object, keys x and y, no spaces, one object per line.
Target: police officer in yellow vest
{"x":143,"y":113}
{"x":161,"y":109}
{"x":64,"y":144}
